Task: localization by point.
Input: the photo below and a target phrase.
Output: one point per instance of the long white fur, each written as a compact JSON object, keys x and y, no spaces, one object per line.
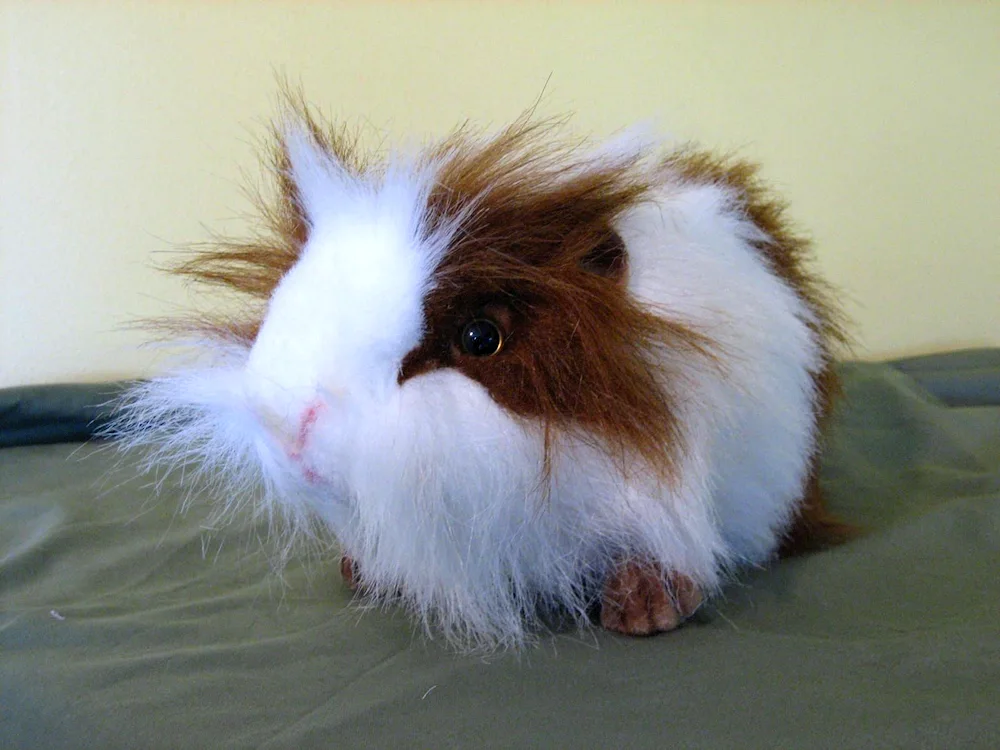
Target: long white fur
{"x":430,"y":486}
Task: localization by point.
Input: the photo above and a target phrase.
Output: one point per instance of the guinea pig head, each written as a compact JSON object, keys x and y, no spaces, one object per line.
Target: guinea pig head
{"x":433,"y":330}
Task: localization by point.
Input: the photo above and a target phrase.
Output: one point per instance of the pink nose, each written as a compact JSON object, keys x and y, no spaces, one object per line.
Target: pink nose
{"x":307,"y":422}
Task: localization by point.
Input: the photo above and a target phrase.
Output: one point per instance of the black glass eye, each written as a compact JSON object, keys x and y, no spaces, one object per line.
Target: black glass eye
{"x":481,"y":338}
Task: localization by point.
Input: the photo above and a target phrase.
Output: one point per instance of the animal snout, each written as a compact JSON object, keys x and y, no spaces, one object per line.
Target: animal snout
{"x":308,"y":418}
{"x":291,"y":423}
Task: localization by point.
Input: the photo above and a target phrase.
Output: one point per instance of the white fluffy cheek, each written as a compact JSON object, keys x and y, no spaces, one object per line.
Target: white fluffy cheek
{"x":431,"y":476}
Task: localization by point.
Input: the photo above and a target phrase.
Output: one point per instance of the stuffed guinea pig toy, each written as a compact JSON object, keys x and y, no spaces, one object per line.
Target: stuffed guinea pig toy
{"x":514,"y":376}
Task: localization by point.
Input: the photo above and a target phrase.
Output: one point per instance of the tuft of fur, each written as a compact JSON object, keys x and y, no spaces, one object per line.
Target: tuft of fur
{"x":666,"y":370}
{"x":195,"y":424}
{"x":539,"y":252}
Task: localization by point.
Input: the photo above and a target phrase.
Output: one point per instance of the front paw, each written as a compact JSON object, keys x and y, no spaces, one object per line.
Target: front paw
{"x":349,"y":572}
{"x":640,"y":600}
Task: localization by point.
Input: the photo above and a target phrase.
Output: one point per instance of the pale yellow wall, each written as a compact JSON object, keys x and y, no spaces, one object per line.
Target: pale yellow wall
{"x":125,"y":127}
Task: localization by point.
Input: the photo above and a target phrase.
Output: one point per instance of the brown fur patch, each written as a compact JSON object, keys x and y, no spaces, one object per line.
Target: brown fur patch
{"x":538,"y":254}
{"x":814,"y":528}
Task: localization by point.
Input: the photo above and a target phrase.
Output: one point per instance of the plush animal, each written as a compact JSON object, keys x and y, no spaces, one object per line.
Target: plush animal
{"x":518,"y":377}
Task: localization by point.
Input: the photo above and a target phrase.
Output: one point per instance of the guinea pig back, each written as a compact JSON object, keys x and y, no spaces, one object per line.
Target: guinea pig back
{"x":512,"y":375}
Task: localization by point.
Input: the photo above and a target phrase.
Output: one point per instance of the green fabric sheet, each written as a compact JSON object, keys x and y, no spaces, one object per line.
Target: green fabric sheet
{"x":125,"y":623}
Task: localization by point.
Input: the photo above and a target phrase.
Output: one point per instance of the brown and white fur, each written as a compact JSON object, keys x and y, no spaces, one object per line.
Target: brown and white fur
{"x":650,"y":424}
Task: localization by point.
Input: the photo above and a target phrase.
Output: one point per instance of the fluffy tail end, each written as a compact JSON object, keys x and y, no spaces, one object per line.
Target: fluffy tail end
{"x":814,"y":527}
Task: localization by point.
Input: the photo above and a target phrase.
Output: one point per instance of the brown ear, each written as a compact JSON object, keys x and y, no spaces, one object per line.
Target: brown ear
{"x":608,"y":258}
